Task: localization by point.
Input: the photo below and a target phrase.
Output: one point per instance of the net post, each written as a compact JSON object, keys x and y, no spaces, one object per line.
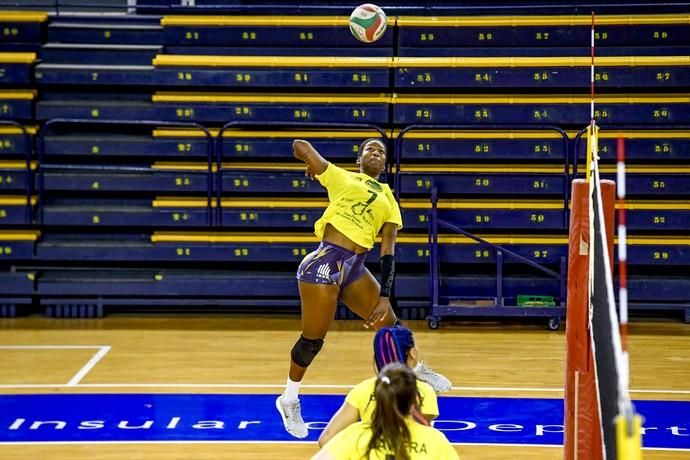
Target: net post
{"x":582,"y":423}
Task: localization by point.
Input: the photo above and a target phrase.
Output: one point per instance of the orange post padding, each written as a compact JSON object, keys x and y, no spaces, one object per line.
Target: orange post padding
{"x":581,"y":412}
{"x":583,"y":437}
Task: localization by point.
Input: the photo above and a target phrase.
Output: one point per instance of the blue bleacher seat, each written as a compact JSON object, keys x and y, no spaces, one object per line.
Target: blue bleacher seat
{"x":658,"y":216}
{"x":285,"y":213}
{"x":167,"y":221}
{"x":223,"y":107}
{"x":158,"y":213}
{"x":273,"y":72}
{"x":147,"y":283}
{"x":127,"y":30}
{"x":158,"y":178}
{"x":14,"y":210}
{"x":542,"y":30}
{"x":653,"y":182}
{"x":277,"y":51}
{"x":17,"y":290}
{"x":13,"y":144}
{"x":531,"y":180}
{"x":15,"y":283}
{"x":542,"y":72}
{"x":95,"y":74}
{"x":655,"y":146}
{"x":541,"y":109}
{"x":103,"y":54}
{"x":261,"y":31}
{"x":21,"y":27}
{"x":95,"y":109}
{"x":124,"y":145}
{"x":482,"y":214}
{"x":478,"y":145}
{"x":13,"y":176}
{"x":16,"y":104}
{"x":661,"y":251}
{"x":15,"y":68}
{"x":17,"y":245}
{"x":262,"y":179}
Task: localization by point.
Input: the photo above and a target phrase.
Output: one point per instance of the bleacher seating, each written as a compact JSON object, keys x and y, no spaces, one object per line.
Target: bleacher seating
{"x":481,"y":114}
{"x":22,"y":30}
{"x":540,"y":109}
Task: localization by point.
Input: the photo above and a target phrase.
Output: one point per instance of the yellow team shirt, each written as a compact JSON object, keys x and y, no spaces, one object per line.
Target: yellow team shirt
{"x":361,"y":397}
{"x":358,"y":205}
{"x":426,"y":443}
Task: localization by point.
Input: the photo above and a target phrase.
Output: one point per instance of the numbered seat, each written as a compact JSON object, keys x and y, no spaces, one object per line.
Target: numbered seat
{"x":614,"y":30}
{"x":17,"y":105}
{"x":299,"y":31}
{"x":224,"y":107}
{"x":559,"y":110}
{"x":18,"y":245}
{"x":16,"y":68}
{"x":22,"y":30}
{"x":542,"y":72}
{"x":273,"y":72}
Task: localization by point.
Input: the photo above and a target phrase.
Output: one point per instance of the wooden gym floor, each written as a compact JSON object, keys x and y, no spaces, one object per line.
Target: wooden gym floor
{"x":220,"y":354}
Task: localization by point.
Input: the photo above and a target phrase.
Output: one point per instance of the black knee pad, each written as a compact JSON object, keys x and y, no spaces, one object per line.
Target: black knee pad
{"x":305,"y":350}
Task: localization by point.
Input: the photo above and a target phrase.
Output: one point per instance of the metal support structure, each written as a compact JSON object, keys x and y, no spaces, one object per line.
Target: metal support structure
{"x":434,"y":223}
{"x":497,"y":127}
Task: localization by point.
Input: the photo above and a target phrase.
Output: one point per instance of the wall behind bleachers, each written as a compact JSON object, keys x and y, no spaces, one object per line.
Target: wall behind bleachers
{"x":140,"y":203}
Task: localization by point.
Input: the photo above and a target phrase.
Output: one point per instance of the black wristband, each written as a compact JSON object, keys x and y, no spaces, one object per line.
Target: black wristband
{"x":387,"y":275}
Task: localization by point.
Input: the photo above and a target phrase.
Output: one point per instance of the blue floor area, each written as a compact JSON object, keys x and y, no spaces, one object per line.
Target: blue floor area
{"x":229,"y":417}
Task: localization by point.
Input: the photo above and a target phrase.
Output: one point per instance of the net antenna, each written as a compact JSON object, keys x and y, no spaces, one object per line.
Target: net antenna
{"x":627,"y":424}
{"x":600,"y":419}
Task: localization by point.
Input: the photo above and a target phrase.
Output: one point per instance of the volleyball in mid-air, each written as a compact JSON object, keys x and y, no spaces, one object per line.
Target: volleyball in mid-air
{"x":368,"y":23}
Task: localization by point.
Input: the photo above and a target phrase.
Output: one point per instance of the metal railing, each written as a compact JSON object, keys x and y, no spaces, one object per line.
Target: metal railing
{"x":43,"y":166}
{"x":268,"y":126}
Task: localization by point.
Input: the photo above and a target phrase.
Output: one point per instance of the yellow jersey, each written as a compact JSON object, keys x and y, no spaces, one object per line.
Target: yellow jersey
{"x":426,"y":443}
{"x":358,"y":205}
{"x":362,"y":398}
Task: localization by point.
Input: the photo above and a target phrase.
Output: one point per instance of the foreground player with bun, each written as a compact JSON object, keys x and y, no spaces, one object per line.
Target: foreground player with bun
{"x":394,"y":344}
{"x":392,"y":433}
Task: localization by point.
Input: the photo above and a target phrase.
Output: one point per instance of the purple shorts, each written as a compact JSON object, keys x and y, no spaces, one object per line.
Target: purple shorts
{"x":331,"y":264}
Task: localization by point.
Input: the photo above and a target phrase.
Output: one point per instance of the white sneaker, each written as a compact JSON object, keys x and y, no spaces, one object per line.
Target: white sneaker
{"x":291,"y":413}
{"x":438,"y":382}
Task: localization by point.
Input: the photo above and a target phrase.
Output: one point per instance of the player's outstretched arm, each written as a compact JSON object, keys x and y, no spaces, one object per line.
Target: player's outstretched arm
{"x":304,"y":151}
{"x":344,"y":417}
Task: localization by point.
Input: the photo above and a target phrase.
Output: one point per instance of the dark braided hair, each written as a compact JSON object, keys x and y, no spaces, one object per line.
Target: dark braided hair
{"x":392,"y":344}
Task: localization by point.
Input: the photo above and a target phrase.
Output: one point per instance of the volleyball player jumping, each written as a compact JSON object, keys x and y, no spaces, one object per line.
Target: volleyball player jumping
{"x":359,"y":208}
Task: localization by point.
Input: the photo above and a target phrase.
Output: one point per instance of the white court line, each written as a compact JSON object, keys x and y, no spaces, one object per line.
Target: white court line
{"x":74,"y":381}
{"x":96,"y":443}
{"x":50,"y":347}
{"x":281,"y":386}
{"x":88,"y":366}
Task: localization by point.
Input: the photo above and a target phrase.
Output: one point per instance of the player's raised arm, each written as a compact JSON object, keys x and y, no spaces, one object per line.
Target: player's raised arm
{"x":304,"y":151}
